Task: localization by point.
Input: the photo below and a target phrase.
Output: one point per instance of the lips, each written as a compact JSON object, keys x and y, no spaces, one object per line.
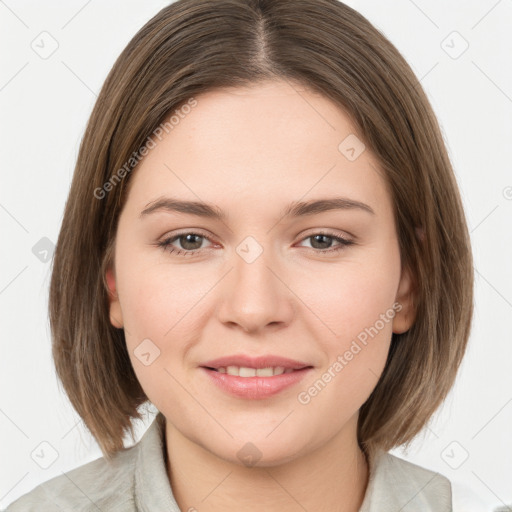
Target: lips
{"x":255,"y":378}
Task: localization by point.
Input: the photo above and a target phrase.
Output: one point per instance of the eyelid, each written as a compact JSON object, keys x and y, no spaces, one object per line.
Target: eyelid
{"x":328,"y":232}
{"x":187,"y":231}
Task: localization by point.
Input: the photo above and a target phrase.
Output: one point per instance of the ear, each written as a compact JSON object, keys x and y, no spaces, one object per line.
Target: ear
{"x":405,"y":316}
{"x":116,"y":315}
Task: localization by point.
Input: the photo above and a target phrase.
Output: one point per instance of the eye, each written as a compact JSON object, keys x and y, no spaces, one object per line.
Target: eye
{"x":324,"y":240}
{"x":190,"y":242}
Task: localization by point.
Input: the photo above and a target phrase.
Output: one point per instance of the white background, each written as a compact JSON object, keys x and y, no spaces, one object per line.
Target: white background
{"x":45,"y":104}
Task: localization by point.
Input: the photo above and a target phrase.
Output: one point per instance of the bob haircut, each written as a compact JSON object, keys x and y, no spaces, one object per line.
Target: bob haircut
{"x":194,"y":46}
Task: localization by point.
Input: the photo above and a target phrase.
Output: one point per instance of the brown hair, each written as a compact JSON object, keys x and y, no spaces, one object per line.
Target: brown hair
{"x":193,"y":46}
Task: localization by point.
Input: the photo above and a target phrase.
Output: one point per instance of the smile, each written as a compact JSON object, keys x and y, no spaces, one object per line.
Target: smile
{"x":249,"y":383}
{"x":244,"y":371}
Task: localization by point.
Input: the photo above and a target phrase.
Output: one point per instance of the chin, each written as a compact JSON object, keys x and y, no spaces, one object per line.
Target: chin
{"x":260,"y":452}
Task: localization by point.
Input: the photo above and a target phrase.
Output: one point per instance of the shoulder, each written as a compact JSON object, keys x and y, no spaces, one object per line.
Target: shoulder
{"x":403,"y":470}
{"x":402,"y":485}
{"x":97,"y":485}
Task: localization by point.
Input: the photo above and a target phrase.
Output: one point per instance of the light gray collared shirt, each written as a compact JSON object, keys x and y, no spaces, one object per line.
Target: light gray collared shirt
{"x":136,"y":481}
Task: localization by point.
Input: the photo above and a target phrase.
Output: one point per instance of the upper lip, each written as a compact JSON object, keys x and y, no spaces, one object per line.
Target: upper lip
{"x":267,"y":361}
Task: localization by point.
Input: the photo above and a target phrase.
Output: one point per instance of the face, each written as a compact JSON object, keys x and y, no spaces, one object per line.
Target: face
{"x":259,"y":275}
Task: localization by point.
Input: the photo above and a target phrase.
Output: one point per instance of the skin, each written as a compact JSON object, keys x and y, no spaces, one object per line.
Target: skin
{"x":252,"y":151}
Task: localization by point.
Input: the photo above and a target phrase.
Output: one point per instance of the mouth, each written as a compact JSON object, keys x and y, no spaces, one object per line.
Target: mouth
{"x":255,"y":377}
{"x":244,"y":365}
{"x":245,"y":371}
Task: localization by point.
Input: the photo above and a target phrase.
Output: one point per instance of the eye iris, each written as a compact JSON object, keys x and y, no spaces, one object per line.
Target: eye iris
{"x":316,"y":237}
{"x":187,"y":240}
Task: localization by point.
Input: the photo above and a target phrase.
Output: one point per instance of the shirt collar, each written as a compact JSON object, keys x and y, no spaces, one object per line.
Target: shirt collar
{"x":398,"y":485}
{"x":152,"y":488}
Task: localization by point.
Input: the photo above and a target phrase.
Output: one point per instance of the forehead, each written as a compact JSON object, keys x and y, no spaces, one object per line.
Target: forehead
{"x":259,"y":144}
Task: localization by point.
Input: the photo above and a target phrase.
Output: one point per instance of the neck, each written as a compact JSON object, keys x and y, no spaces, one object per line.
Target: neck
{"x":332,"y":477}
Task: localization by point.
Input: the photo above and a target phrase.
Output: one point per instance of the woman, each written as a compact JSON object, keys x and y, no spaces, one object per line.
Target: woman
{"x":263,"y":238}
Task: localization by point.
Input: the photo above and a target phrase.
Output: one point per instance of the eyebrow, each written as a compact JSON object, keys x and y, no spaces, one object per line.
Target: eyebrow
{"x":295,"y":209}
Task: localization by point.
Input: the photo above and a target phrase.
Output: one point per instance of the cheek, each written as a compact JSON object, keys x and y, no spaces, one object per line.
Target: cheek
{"x":164,"y":309}
{"x":359,"y":309}
{"x":160,"y":310}
{"x":156,"y":296}
{"x":357,"y":305}
{"x":353,"y":297}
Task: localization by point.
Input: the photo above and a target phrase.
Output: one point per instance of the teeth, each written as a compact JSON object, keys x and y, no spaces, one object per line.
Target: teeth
{"x":246,"y":372}
{"x":243,"y":371}
{"x":264,"y":372}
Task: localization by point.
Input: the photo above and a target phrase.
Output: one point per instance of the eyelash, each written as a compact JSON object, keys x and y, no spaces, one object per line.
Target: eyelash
{"x":166,"y":243}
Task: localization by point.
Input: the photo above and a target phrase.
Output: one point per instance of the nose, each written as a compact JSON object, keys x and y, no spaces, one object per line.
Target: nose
{"x":255,"y":297}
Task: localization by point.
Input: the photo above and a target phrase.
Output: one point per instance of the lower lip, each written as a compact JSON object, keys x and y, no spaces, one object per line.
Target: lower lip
{"x":255,"y":388}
